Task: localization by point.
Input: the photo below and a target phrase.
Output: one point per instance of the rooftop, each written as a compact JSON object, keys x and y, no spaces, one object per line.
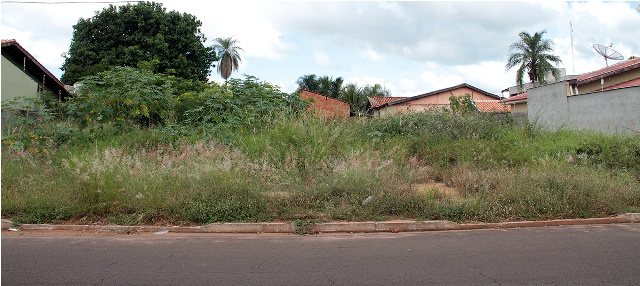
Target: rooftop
{"x":379,"y":101}
{"x":18,"y":53}
{"x":620,"y":67}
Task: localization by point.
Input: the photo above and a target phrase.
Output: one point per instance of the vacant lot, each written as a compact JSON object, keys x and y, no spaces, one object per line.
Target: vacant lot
{"x":424,"y":166}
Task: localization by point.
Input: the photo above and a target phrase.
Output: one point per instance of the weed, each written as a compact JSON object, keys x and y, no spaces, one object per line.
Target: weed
{"x":305,"y":169}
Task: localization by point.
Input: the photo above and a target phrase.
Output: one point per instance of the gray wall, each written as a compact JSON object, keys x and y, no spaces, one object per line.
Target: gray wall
{"x":614,"y":111}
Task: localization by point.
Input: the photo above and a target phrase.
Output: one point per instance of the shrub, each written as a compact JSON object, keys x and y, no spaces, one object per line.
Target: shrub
{"x":125,"y":96}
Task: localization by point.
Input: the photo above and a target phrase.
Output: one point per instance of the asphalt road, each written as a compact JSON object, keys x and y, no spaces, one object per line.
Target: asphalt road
{"x":569,"y":255}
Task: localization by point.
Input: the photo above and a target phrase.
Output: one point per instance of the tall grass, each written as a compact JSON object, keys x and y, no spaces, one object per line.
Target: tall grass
{"x":306,"y":168}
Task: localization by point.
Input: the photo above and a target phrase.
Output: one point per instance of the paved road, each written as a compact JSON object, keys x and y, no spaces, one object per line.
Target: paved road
{"x":572,"y":255}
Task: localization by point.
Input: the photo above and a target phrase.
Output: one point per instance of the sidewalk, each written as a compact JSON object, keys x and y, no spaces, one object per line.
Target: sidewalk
{"x":331,"y":227}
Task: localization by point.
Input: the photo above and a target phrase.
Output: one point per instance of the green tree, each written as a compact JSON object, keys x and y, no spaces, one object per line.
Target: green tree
{"x":462,"y":104}
{"x":124,"y":96}
{"x":130,"y":34}
{"x":357,"y":96}
{"x":229,"y":56}
{"x":533,"y":55}
{"x":324,"y":85}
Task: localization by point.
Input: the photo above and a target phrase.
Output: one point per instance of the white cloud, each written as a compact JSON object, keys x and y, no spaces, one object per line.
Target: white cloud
{"x":372,"y":55}
{"x":323,"y":60}
{"x":412,"y":47}
{"x":438,"y":79}
{"x":406,"y":88}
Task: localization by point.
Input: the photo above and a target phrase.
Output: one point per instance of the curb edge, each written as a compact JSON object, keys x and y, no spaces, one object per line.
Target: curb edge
{"x":330,"y":227}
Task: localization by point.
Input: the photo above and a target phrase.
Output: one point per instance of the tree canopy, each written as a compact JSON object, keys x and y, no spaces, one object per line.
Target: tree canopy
{"x":533,"y":55}
{"x":323,"y":85}
{"x":357,"y":96}
{"x":336,"y":88}
{"x":131,"y":35}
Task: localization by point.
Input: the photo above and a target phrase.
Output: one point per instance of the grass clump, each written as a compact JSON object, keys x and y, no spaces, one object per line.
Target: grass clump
{"x":299,"y":168}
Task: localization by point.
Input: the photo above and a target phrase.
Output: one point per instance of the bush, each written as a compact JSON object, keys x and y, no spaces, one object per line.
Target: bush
{"x":238,"y":105}
{"x":125,"y":96}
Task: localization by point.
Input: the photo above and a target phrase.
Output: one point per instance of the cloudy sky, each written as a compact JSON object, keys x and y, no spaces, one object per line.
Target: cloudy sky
{"x":408,"y":47}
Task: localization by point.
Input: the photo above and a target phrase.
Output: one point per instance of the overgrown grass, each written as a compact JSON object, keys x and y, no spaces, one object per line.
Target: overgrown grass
{"x":310,"y":169}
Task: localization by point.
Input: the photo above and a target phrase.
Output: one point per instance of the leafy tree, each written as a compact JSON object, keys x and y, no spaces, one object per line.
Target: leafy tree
{"x":237,"y":106}
{"x":462,"y":104}
{"x":376,"y":90}
{"x":131,"y":34}
{"x":533,"y":55}
{"x":229,"y":56}
{"x":353,"y":94}
{"x":357,"y":96}
{"x":323,"y":85}
{"x":122,"y":95}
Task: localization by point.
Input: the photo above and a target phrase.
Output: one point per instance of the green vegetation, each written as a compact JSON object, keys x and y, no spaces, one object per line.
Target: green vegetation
{"x":336,"y":88}
{"x":275,"y":164}
{"x":129,"y":35}
{"x":229,"y":56}
{"x":532,"y":54}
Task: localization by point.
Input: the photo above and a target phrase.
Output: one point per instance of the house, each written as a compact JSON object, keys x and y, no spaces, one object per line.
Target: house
{"x":326,"y":106}
{"x":518,"y":103}
{"x":376,"y":102}
{"x":622,"y":74}
{"x":517,"y":98}
{"x":485,"y":101}
{"x":606,"y":100}
{"x":24,"y":76}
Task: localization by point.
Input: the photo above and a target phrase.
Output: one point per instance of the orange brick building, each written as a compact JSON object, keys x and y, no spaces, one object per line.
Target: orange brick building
{"x":325,"y":106}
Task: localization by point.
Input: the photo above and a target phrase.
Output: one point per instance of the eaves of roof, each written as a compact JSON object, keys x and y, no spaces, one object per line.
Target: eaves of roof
{"x":442,"y":91}
{"x":521,"y":98}
{"x":629,"y":83}
{"x":381,"y":101}
{"x":618,"y":68}
{"x":33,"y":66}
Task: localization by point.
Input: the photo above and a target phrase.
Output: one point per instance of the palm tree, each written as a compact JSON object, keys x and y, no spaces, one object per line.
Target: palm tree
{"x":323,"y":85}
{"x":533,"y":54}
{"x":229,"y":56}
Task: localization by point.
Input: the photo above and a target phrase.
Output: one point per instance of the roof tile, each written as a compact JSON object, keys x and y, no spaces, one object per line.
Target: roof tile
{"x":492,"y":106}
{"x":522,"y":96}
{"x":379,"y":101}
{"x":608,"y":71}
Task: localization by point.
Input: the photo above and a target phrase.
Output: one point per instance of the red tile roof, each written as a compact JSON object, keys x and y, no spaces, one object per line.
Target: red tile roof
{"x":515,"y":99}
{"x":379,"y":101}
{"x":445,"y":90}
{"x":492,"y":106}
{"x":609,"y":71}
{"x":629,"y":83}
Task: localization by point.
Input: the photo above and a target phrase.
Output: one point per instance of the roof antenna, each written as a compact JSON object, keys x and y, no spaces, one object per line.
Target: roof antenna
{"x":607,"y":53}
{"x":573,"y":62}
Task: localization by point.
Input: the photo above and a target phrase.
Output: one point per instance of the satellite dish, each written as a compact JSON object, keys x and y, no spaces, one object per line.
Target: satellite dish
{"x":607,"y":53}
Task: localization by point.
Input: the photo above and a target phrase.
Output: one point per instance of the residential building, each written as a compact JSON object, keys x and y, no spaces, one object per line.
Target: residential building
{"x":518,"y":103}
{"x":606,"y":100}
{"x":485,"y":101}
{"x":24,"y":76}
{"x":517,"y":97}
{"x":619,"y":75}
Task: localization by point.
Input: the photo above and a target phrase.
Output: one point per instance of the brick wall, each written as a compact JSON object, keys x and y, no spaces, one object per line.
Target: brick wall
{"x":326,"y":106}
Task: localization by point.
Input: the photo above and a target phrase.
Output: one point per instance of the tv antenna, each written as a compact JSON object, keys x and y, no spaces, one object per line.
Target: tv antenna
{"x":607,"y":53}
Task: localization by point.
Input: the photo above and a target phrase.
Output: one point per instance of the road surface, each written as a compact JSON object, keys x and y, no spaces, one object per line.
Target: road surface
{"x":568,"y":255}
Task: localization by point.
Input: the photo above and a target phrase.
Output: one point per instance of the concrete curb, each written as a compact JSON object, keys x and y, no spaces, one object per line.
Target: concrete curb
{"x":332,"y":227}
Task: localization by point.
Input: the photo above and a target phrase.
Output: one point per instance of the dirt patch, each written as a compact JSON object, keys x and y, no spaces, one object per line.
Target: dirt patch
{"x":439,"y":190}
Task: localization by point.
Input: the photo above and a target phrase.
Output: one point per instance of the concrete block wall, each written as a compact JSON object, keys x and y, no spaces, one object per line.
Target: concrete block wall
{"x":612,"y":112}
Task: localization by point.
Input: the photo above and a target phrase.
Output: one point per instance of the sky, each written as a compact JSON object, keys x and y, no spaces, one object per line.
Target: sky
{"x":408,"y":47}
